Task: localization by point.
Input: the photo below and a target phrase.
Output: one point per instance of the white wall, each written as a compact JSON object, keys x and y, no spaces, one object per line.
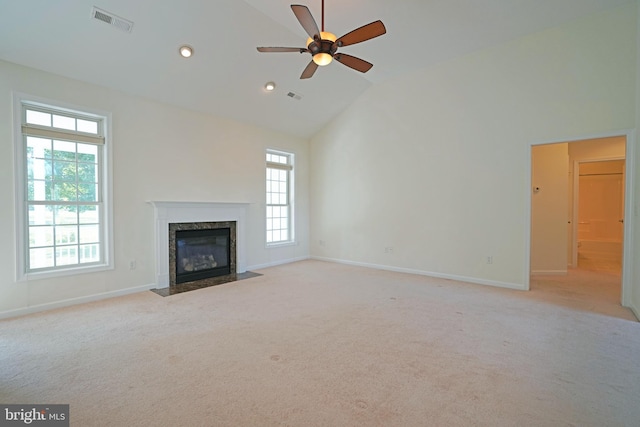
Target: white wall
{"x":435,"y":164}
{"x":549,"y":209}
{"x":159,"y":153}
{"x":597,"y":149}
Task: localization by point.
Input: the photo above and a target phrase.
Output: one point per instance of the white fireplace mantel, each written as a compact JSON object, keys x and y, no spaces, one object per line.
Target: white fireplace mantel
{"x":175,"y":212}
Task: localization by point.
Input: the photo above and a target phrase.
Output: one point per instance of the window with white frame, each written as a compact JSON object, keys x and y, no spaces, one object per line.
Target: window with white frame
{"x":62,"y":190}
{"x":279,"y":197}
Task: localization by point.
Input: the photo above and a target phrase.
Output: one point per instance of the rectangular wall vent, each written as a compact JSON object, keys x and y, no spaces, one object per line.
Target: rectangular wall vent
{"x":295,"y":96}
{"x":111,"y":19}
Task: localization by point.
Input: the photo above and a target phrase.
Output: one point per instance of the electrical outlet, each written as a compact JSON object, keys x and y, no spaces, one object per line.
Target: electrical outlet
{"x":388,"y":250}
{"x":133,"y":264}
{"x":489,"y":259}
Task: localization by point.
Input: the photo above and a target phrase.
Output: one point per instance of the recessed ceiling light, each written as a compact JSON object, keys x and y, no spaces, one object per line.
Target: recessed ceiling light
{"x":270,"y":86}
{"x":186,"y":51}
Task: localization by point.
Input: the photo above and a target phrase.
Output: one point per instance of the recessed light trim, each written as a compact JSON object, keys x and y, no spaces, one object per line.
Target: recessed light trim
{"x":185,"y":51}
{"x":270,"y":86}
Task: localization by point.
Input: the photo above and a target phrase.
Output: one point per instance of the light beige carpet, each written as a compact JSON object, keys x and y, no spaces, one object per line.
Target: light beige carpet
{"x":321,"y":344}
{"x":597,"y":291}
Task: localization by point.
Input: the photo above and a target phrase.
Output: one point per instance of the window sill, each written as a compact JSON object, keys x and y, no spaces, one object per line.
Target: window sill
{"x":62,"y":273}
{"x":281,"y":244}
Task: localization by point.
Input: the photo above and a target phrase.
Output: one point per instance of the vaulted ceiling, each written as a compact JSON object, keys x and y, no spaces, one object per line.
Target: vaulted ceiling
{"x":226,"y":75}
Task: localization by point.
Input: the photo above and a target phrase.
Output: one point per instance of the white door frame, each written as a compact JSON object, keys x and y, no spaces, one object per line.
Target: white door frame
{"x":627,"y":249}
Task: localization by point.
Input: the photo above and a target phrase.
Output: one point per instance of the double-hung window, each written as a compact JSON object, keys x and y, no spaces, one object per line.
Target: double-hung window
{"x":279,"y":197}
{"x":62,"y":190}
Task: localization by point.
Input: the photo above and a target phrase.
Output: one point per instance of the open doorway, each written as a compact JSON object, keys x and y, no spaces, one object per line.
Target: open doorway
{"x":599,"y":215}
{"x":578,"y":191}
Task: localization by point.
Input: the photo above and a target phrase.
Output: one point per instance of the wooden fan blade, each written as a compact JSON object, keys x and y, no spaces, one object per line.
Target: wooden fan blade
{"x":308,"y":72}
{"x":282,"y":49}
{"x":306,"y":20}
{"x":353,"y":62}
{"x":364,"y":33}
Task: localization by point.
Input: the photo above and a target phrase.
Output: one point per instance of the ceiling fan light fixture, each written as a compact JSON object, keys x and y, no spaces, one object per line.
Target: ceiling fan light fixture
{"x":186,"y":51}
{"x":322,"y":59}
{"x":323,"y":46}
{"x":323,"y":36}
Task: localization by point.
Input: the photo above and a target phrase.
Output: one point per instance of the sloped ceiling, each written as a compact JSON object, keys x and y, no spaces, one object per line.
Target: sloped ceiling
{"x":226,"y":75}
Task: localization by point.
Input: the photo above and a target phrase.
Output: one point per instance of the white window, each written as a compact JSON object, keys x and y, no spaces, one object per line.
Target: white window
{"x":279,"y":197}
{"x":62,"y":188}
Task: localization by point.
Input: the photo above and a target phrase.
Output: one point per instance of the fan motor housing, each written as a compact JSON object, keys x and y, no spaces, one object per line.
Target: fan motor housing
{"x":322,"y":46}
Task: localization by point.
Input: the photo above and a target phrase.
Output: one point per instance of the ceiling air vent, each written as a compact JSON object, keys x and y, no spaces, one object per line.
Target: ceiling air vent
{"x":111,"y":19}
{"x":295,"y":96}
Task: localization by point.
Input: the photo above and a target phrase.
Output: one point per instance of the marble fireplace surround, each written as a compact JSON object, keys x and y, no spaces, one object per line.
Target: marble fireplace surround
{"x":166,"y":213}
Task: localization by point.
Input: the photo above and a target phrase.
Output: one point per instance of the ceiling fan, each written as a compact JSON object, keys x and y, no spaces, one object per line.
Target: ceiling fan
{"x":323,"y":46}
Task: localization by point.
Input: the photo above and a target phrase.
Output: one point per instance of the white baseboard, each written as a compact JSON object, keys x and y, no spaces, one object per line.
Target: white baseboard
{"x":635,"y":311}
{"x":112,"y":294}
{"x":475,"y":280}
{"x":275,"y":263}
{"x":74,"y":301}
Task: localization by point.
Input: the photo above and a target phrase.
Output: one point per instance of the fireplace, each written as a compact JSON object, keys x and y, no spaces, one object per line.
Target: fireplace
{"x":167,"y":212}
{"x":201,"y":254}
{"x":201,"y":250}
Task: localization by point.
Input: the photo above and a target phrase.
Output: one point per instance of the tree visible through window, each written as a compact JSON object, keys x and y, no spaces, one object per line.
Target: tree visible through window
{"x":63,"y":161}
{"x":279,"y":196}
